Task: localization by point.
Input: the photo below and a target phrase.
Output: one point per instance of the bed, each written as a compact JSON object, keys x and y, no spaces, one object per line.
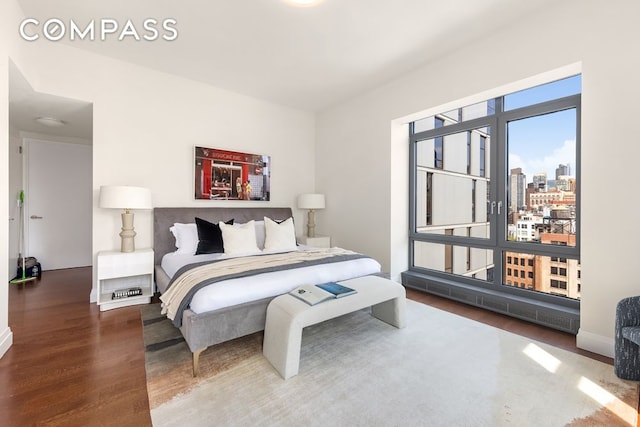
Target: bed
{"x":203,"y":325}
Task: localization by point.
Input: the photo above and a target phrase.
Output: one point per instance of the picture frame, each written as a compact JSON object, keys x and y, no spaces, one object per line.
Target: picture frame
{"x":231,"y":175}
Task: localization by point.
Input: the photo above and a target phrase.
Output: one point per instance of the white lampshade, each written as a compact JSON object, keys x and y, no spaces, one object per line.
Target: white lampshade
{"x":124,"y":197}
{"x":311,"y":201}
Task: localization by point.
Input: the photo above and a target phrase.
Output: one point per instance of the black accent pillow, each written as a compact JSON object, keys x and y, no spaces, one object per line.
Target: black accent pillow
{"x":209,"y":237}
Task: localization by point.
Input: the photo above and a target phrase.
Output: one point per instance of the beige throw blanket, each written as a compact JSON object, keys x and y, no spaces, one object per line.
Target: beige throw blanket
{"x":182,"y":285}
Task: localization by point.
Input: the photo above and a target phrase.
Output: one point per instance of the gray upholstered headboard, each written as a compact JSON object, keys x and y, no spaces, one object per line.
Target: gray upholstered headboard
{"x":163,"y":218}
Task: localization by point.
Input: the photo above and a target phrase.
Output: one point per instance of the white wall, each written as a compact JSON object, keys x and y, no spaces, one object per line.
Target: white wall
{"x":363,"y":138}
{"x":9,"y":14}
{"x":146,"y":124}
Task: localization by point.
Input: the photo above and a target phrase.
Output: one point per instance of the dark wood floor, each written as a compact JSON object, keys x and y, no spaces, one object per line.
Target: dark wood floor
{"x":72,"y":365}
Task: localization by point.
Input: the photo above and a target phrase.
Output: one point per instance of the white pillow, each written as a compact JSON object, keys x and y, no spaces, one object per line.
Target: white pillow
{"x":279,"y":237}
{"x":186,"y":236}
{"x":239,"y":238}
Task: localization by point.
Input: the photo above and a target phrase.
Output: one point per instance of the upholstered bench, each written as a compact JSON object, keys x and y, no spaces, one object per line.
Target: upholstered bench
{"x":287,"y":316}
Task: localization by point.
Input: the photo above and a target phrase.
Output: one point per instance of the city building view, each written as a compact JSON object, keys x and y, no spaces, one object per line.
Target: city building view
{"x":546,"y":215}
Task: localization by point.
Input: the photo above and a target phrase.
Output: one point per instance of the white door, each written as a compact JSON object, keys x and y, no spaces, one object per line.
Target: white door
{"x":58,"y":203}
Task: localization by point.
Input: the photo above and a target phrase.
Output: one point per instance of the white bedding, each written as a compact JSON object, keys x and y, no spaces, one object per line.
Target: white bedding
{"x":237,"y":291}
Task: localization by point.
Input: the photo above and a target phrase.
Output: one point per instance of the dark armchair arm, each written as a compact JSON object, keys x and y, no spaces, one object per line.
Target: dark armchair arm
{"x":628,"y":312}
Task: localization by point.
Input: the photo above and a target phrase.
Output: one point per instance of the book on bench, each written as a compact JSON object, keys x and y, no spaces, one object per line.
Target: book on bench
{"x":337,"y":289}
{"x":315,"y":294}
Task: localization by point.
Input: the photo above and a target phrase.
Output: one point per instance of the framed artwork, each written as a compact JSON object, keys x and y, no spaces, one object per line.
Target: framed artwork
{"x":231,"y":175}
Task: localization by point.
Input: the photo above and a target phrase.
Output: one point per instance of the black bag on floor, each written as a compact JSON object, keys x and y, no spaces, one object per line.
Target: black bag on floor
{"x":31,"y":266}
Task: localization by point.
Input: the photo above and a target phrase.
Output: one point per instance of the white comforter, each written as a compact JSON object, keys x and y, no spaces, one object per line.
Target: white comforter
{"x":237,"y":291}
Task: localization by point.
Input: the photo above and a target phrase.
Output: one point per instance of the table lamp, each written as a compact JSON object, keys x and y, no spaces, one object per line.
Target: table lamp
{"x":127,"y":198}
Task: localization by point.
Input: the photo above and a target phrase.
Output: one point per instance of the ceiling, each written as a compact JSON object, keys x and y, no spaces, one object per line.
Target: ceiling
{"x":25,"y":105}
{"x":309,"y":58}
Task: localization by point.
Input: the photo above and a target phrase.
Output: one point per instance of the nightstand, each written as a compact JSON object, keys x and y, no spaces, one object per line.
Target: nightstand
{"x":122,"y":271}
{"x":318,"y":241}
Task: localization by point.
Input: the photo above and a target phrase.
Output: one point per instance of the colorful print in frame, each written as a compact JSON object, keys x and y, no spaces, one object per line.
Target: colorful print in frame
{"x":231,"y":175}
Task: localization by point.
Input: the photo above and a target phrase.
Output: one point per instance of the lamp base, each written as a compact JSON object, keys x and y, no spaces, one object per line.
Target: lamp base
{"x":311,"y":223}
{"x":127,"y":234}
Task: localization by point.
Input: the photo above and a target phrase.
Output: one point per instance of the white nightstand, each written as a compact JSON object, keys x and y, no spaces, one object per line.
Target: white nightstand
{"x":122,"y":271}
{"x":318,"y":241}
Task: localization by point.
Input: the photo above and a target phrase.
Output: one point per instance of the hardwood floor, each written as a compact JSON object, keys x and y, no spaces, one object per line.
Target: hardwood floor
{"x":72,"y":365}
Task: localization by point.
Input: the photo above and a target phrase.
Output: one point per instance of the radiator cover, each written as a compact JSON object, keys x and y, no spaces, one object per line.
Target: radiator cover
{"x":557,"y":316}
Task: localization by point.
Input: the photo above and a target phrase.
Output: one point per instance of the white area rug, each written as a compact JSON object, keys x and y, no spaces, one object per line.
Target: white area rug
{"x":442,"y":370}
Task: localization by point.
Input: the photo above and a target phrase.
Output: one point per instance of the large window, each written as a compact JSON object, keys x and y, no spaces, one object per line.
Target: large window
{"x":495,"y":193}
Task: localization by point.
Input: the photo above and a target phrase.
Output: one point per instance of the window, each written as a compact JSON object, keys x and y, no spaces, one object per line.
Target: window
{"x":438,"y":150}
{"x":478,"y":185}
{"x":468,"y":251}
{"x":473,"y":200}
{"x":560,"y":284}
{"x":469,"y":153}
{"x":448,"y":253}
{"x":429,"y":208}
{"x":482,"y":160}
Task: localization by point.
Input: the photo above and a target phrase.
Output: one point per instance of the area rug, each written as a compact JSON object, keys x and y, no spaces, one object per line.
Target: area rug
{"x":441,"y":370}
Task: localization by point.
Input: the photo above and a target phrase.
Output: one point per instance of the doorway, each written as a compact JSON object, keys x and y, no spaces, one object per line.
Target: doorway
{"x":52,"y":157}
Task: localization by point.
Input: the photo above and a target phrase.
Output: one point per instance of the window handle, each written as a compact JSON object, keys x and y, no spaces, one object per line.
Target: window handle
{"x":499,"y":207}
{"x":493,"y":206}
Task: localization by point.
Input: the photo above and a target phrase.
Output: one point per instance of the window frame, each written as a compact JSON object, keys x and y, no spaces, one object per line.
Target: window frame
{"x":497,"y":164}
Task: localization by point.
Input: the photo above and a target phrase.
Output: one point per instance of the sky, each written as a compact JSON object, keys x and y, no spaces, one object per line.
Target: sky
{"x":541,"y":143}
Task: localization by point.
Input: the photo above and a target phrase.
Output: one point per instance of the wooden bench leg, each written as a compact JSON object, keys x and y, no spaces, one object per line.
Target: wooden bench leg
{"x":196,"y":361}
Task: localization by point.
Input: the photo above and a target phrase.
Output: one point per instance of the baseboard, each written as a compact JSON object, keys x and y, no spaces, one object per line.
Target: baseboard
{"x":595,"y":343}
{"x":6,"y":340}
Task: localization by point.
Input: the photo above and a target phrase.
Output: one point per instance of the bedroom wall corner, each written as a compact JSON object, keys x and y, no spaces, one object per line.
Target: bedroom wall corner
{"x":599,"y":37}
{"x":357,"y":183}
{"x":610,"y":111}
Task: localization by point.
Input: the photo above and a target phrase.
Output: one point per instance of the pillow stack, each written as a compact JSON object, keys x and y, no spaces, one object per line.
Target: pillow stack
{"x":205,"y":237}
